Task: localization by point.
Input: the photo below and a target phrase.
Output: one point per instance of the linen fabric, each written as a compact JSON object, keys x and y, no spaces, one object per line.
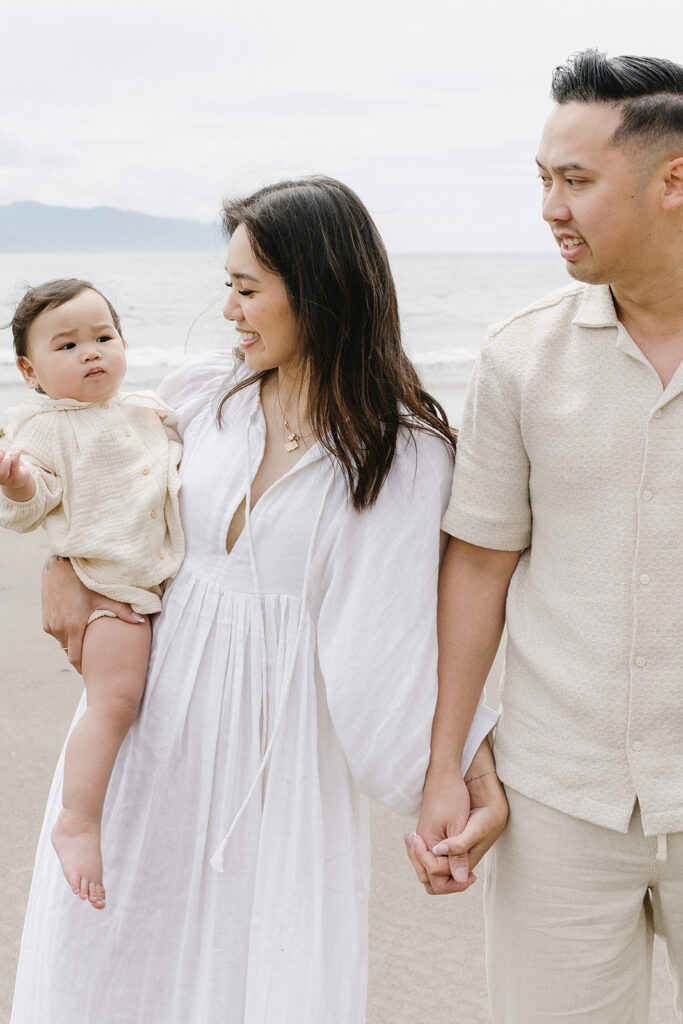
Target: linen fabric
{"x":570,"y":451}
{"x":107,"y":487}
{"x":289,"y":680}
{"x":571,"y":911}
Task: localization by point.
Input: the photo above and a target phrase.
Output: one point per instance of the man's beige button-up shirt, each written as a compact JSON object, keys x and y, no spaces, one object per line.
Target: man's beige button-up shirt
{"x":571,"y":451}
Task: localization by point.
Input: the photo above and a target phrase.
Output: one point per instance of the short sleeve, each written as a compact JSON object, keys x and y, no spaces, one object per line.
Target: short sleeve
{"x":377,"y":643}
{"x":197,"y":383}
{"x":490,"y":504}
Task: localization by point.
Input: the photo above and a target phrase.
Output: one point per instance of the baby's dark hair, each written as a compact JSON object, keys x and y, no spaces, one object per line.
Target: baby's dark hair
{"x":48,"y":296}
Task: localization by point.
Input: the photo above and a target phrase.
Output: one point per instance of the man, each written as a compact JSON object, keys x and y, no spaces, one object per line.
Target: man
{"x":566,"y":523}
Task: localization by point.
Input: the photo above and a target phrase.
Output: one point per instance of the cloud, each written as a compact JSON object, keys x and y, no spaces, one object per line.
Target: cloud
{"x":164,"y":108}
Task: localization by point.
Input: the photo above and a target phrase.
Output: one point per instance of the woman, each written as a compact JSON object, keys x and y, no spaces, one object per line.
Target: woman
{"x":293,"y":665}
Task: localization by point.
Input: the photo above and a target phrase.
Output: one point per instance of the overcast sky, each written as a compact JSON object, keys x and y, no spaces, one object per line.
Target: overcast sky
{"x":431,"y":113}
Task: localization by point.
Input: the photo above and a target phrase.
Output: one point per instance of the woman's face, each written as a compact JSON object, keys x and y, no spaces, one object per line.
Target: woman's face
{"x":259,"y":307}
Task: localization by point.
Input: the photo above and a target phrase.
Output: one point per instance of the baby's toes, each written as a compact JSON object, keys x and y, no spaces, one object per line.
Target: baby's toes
{"x":75,"y":882}
{"x":83,"y":891}
{"x":96,"y":895}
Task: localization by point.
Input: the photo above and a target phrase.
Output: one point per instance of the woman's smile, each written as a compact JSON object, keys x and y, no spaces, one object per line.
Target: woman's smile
{"x":247,"y":338}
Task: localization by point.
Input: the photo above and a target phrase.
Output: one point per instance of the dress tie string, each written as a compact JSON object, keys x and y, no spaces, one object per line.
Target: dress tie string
{"x":217,"y":860}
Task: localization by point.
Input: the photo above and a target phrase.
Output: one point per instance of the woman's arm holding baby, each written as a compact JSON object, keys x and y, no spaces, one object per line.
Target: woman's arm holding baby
{"x":67,"y":606}
{"x":16,"y":480}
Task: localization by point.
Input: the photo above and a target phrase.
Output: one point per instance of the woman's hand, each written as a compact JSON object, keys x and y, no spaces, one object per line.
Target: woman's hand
{"x":443,"y":851}
{"x":67,"y":606}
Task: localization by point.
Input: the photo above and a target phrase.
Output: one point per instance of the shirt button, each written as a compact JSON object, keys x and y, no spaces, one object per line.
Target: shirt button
{"x":641,"y":662}
{"x":104,"y":405}
{"x":154,"y":514}
{"x":658,"y":414}
{"x":637,"y":745}
{"x":126,"y":433}
{"x":160,"y":555}
{"x":145,"y":470}
{"x":645,"y":579}
{"x":647,"y":495}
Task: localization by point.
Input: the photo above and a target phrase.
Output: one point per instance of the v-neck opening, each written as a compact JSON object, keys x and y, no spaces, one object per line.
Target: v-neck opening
{"x":630,"y":348}
{"x":258,"y":414}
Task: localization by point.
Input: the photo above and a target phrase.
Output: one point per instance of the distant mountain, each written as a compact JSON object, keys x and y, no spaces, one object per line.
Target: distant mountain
{"x":35,"y":227}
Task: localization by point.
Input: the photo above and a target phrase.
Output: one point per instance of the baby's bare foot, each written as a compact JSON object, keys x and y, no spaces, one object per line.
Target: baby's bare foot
{"x":77,"y":843}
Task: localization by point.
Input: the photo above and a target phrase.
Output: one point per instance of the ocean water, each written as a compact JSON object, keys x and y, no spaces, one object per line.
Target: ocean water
{"x":170,"y":307}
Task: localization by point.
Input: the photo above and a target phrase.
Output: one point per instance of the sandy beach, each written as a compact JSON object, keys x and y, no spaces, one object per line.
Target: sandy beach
{"x":426,"y":954}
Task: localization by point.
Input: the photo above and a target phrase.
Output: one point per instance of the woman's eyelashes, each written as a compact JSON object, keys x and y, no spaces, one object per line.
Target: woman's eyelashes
{"x":240,"y":291}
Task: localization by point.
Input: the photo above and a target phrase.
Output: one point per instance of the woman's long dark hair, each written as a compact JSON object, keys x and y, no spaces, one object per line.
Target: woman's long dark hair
{"x":318,"y":237}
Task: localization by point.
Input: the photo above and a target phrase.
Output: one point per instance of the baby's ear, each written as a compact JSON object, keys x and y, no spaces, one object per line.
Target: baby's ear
{"x":27,"y":371}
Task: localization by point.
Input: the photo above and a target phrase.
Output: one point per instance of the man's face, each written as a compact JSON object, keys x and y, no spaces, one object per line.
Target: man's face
{"x":597,"y":198}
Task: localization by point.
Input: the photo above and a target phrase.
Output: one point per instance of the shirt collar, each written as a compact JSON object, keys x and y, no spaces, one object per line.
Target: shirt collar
{"x":596,"y":308}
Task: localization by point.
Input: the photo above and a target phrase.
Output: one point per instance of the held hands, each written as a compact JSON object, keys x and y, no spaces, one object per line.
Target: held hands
{"x":460,"y":822}
{"x":445,"y":812}
{"x":16,"y":479}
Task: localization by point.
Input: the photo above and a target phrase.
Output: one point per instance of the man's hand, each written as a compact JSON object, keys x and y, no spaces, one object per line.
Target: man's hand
{"x":487,"y":820}
{"x":445,"y":812}
{"x":450,"y":839}
{"x":16,"y":479}
{"x":67,"y":606}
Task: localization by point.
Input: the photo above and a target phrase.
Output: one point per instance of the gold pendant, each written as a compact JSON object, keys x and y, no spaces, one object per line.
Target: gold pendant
{"x":291,"y":444}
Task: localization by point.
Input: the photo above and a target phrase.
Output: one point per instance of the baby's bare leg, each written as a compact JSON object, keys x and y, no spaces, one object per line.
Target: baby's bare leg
{"x":115,"y":657}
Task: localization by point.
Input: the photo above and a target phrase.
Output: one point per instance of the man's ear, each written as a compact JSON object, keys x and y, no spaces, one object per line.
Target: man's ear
{"x":673,"y":185}
{"x":27,"y":372}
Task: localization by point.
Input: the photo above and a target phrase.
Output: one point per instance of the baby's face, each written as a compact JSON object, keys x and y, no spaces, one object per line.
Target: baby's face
{"x":75,"y":351}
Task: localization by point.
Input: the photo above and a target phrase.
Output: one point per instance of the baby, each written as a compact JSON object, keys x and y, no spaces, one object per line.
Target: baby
{"x":100,"y":470}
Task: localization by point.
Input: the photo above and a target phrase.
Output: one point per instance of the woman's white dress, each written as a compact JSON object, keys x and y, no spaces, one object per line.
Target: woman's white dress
{"x":288,"y":680}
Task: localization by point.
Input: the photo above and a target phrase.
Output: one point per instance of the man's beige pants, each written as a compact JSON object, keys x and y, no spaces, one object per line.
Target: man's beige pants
{"x":571,"y":911}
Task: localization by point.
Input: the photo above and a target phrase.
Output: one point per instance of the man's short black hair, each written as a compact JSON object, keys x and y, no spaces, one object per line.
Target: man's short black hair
{"x":649,"y":90}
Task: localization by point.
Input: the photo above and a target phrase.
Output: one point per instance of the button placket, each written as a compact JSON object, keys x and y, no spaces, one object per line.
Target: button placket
{"x":640,"y":679}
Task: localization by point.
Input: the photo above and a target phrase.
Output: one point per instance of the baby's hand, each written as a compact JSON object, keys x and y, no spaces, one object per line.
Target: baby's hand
{"x":16,"y":480}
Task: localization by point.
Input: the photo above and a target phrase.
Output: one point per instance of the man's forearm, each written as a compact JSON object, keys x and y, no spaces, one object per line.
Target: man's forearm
{"x":473,"y":587}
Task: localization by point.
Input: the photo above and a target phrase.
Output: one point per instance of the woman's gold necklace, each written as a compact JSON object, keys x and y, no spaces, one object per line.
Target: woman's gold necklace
{"x":291,"y":439}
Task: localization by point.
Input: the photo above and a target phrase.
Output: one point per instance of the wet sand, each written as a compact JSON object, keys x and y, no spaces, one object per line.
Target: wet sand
{"x":426,"y":954}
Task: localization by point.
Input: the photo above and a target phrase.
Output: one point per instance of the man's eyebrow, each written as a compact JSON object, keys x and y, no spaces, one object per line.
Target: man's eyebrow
{"x":572,"y":165}
{"x":241,"y":275}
